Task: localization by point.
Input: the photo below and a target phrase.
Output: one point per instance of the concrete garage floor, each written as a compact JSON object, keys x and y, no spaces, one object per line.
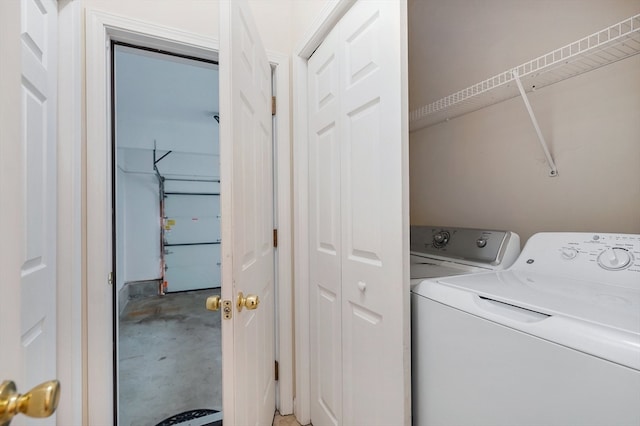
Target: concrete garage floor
{"x":169,"y":357}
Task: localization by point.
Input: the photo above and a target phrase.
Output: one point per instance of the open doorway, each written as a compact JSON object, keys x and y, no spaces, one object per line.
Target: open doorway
{"x":167,"y":237}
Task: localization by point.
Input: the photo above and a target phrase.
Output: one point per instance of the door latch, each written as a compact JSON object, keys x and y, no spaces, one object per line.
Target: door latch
{"x":227,"y":309}
{"x":214,"y":303}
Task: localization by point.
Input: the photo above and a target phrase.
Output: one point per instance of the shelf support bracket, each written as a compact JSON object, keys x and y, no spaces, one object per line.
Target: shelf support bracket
{"x":553,"y":172}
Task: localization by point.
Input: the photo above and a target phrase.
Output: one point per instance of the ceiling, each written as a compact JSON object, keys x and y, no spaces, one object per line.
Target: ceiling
{"x":167,"y":100}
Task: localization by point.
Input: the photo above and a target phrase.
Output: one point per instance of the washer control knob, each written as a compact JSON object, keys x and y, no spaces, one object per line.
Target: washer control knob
{"x":615,"y":259}
{"x":568,"y":253}
{"x":481,"y":242}
{"x":440,"y":239}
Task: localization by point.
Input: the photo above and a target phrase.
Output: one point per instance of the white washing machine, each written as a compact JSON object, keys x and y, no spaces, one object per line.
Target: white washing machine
{"x":552,"y":340}
{"x":447,"y":251}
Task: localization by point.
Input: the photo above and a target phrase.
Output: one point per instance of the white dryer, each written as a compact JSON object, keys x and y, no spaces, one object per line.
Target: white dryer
{"x":552,"y":340}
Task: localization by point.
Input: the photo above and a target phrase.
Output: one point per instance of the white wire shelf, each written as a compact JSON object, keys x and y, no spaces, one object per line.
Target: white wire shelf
{"x":604,"y":47}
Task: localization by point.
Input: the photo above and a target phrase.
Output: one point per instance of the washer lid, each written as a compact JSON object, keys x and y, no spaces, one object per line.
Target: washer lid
{"x":598,"y":303}
{"x":594,"y":318}
{"x":424,"y":267}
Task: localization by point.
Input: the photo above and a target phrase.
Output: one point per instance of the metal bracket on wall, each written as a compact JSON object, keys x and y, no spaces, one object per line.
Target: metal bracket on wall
{"x":553,"y":172}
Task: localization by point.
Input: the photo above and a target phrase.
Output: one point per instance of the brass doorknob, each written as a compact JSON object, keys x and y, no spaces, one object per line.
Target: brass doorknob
{"x":40,"y":401}
{"x":213,"y":303}
{"x":250,"y":302}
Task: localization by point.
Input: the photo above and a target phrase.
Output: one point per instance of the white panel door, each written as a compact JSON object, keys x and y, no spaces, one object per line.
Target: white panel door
{"x":246,"y":159}
{"x":28,"y":194}
{"x":325,"y":294}
{"x":358,"y":179}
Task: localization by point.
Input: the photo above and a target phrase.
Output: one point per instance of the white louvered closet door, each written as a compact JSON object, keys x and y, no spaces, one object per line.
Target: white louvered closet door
{"x":359,"y":220}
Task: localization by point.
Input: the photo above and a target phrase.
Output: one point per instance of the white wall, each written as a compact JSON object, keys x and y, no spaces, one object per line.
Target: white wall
{"x":280,"y":22}
{"x":167,"y":101}
{"x":196,"y":16}
{"x":141,"y":227}
{"x":486,"y":169}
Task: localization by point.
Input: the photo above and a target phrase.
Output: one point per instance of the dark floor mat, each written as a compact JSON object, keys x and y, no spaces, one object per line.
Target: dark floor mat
{"x":181,"y":418}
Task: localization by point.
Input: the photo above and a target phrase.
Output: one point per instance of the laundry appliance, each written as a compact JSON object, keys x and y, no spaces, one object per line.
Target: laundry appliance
{"x":448,"y":251}
{"x":552,"y":340}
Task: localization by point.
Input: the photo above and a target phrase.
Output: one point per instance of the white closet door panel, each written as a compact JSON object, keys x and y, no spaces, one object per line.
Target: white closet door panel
{"x":364,"y":210}
{"x":360,"y":356}
{"x":325,"y":241}
{"x":375,"y":295}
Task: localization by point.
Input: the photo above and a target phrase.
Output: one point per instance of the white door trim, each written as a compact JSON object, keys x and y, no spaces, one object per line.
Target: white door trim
{"x":69,"y":248}
{"x":284,"y":252}
{"x":326,"y":20}
{"x":101,"y":28}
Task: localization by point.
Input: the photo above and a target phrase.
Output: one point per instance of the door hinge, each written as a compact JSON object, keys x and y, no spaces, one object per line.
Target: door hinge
{"x":275,"y":238}
{"x":273,"y":105}
{"x":110,"y":278}
{"x":277,"y":371}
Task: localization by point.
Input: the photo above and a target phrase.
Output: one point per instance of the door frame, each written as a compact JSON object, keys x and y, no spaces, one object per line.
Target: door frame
{"x":101,"y":28}
{"x":70,"y":335}
{"x":329,"y":16}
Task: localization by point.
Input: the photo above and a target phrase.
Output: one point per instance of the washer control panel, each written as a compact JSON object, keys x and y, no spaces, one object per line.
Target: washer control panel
{"x":479,"y":247}
{"x":440,"y":239}
{"x":613,"y":258}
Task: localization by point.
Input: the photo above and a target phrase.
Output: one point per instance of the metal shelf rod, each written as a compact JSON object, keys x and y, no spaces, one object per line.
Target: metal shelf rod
{"x":159,"y":159}
{"x":554,"y":171}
